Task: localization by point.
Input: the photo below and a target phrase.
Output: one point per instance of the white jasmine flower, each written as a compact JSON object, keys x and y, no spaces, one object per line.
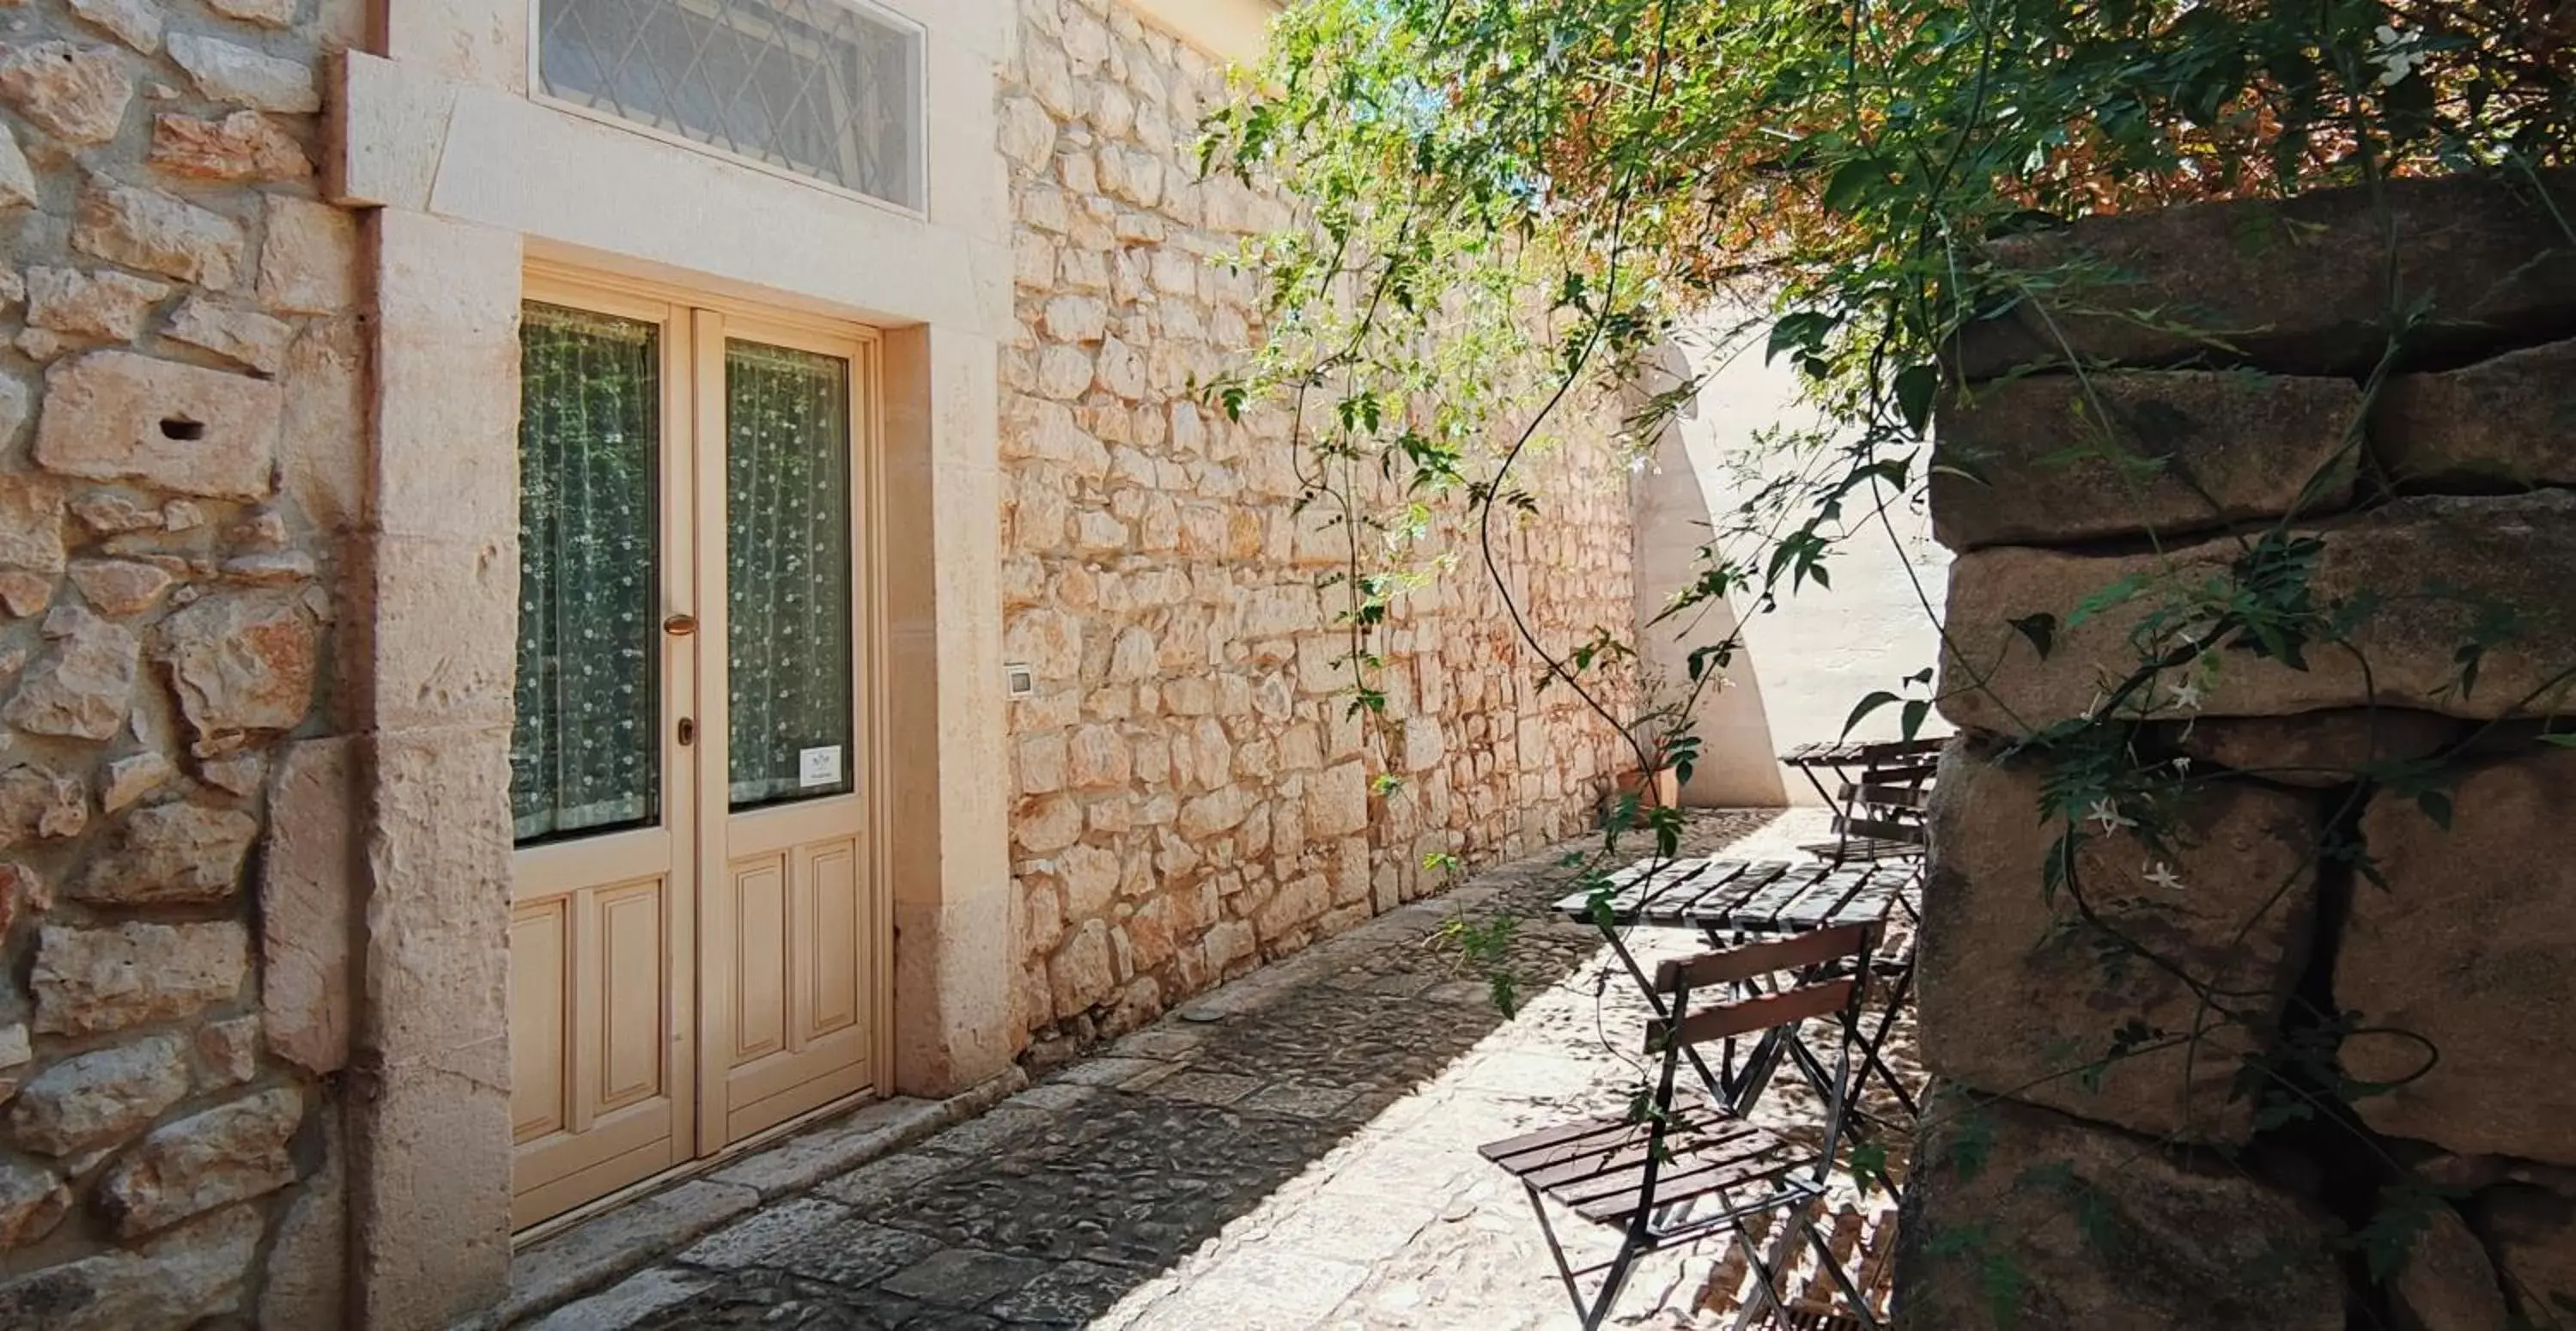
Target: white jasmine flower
{"x":2396,"y":55}
{"x":2162,"y":875}
{"x":2108,"y":815}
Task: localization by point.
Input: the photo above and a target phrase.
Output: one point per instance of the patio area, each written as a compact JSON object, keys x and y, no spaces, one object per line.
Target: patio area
{"x":1294,"y":1150}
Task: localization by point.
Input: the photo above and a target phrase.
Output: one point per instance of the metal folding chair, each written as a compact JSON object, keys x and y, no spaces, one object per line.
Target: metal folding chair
{"x":1680,"y":1172}
{"x":1881,"y":813}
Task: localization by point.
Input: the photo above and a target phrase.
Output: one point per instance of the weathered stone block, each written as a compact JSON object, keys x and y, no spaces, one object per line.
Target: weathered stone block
{"x":188,"y":1276}
{"x":2297,"y":285}
{"x":308,"y":1265}
{"x":308,"y":262}
{"x":242,"y":662}
{"x":2422,"y":559}
{"x":31,"y":523}
{"x":2107,"y":1231}
{"x":2317,"y":749}
{"x":247,"y":336}
{"x":132,"y":777}
{"x":88,"y":981}
{"x":2447,"y":1282}
{"x":83,"y":685}
{"x":38,"y":802}
{"x":115,"y":415}
{"x":105,"y":304}
{"x":228,"y":1051}
{"x":2499,"y":425}
{"x":306,"y":886}
{"x":2530,"y":1230}
{"x":94,"y":1099}
{"x":137,"y":23}
{"x":170,"y":853}
{"x":120,"y":587}
{"x":2465,"y":950}
{"x":145,"y":228}
{"x":224,"y":1155}
{"x":2020,"y":995}
{"x":1337,"y":800}
{"x":18,"y":188}
{"x":226,"y":72}
{"x":243,"y":146}
{"x":32,"y":1202}
{"x":76,"y":93}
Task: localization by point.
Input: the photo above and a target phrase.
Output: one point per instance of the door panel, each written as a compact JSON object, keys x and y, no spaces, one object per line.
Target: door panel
{"x":760,"y":957}
{"x":801,"y":1027}
{"x":603,"y":884}
{"x":700,"y":942}
{"x":540,"y":1019}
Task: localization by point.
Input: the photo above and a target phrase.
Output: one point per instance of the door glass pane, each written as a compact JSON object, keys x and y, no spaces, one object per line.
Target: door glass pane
{"x":585,"y":755}
{"x":787,"y":565}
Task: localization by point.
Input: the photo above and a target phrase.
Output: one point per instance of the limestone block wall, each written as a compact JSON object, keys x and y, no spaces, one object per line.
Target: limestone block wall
{"x":181,"y":390}
{"x":2345,"y":874}
{"x":1191,"y":795}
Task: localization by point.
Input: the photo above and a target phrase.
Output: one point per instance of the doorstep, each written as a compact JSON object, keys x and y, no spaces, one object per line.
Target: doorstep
{"x":599,"y":1251}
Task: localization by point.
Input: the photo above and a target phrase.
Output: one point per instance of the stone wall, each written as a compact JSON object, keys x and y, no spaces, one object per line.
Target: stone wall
{"x":180,"y":390}
{"x":2337,"y":1033}
{"x":1193,"y":797}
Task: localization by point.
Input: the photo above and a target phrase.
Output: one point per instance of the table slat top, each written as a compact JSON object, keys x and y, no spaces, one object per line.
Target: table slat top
{"x":1748,"y":896}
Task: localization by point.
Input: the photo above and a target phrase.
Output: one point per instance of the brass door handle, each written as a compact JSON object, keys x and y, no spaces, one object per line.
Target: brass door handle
{"x":680,"y":626}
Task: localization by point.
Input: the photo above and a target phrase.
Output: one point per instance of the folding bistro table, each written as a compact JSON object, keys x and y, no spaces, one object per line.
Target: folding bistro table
{"x":1732,"y":901}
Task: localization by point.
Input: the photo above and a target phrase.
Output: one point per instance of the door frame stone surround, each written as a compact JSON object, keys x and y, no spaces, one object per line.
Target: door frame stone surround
{"x":463,"y":179}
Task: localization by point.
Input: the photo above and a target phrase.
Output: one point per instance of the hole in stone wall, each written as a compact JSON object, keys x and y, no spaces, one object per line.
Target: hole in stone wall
{"x":182,"y":429}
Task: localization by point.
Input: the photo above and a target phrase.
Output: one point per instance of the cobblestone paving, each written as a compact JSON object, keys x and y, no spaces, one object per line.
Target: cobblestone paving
{"x":1296,"y":1150}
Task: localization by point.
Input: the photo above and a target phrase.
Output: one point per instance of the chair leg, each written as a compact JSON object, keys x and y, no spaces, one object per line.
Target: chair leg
{"x":1595,"y":1312}
{"x":1841,"y":1278}
{"x":1611,"y":1284}
{"x":1556,"y":1250}
{"x":1766,"y":1271}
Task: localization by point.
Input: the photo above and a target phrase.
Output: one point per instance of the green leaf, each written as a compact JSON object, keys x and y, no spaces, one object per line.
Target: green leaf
{"x":1802,"y":331}
{"x":2436,"y":806}
{"x":1916,"y":385}
{"x":1913,"y":716}
{"x":2562,"y":741}
{"x":2041,"y":629}
{"x":1867,"y":705}
{"x":1850,"y":182}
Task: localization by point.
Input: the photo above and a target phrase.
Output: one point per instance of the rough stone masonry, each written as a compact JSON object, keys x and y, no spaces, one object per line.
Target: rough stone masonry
{"x":1195,"y":795}
{"x":181,"y":389}
{"x":2430,"y":961}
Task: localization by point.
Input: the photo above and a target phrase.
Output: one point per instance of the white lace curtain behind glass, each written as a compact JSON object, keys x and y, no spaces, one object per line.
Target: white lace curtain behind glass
{"x":787,"y":568}
{"x":584,"y":752}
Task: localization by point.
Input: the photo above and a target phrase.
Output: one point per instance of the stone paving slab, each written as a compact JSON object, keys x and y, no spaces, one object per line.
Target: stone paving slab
{"x":1295,"y":1150}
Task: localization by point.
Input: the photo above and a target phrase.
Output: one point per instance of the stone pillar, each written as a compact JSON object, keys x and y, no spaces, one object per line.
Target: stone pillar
{"x":2355,"y":874}
{"x":954,"y":1022}
{"x":431,"y":1129}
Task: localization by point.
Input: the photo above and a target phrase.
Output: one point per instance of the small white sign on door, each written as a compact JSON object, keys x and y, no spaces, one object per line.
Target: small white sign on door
{"x":818,"y":767}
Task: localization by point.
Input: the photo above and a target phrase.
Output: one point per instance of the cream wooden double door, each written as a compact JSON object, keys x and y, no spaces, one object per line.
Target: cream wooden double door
{"x":699,"y":931}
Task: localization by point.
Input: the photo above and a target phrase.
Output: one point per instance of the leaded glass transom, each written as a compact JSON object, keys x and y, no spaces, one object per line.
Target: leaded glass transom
{"x":823,"y":88}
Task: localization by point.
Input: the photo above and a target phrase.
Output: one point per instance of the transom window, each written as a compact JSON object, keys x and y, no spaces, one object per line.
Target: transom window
{"x":829,"y":89}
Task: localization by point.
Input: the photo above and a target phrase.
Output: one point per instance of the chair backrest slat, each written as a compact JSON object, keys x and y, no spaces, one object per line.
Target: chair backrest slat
{"x":1735,"y":964}
{"x":1880,"y":829}
{"x":1745,"y":1016}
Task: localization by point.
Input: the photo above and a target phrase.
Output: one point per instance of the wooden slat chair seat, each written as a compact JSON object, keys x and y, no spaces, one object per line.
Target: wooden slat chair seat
{"x":1596,"y":1168}
{"x":1681,"y":1172}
